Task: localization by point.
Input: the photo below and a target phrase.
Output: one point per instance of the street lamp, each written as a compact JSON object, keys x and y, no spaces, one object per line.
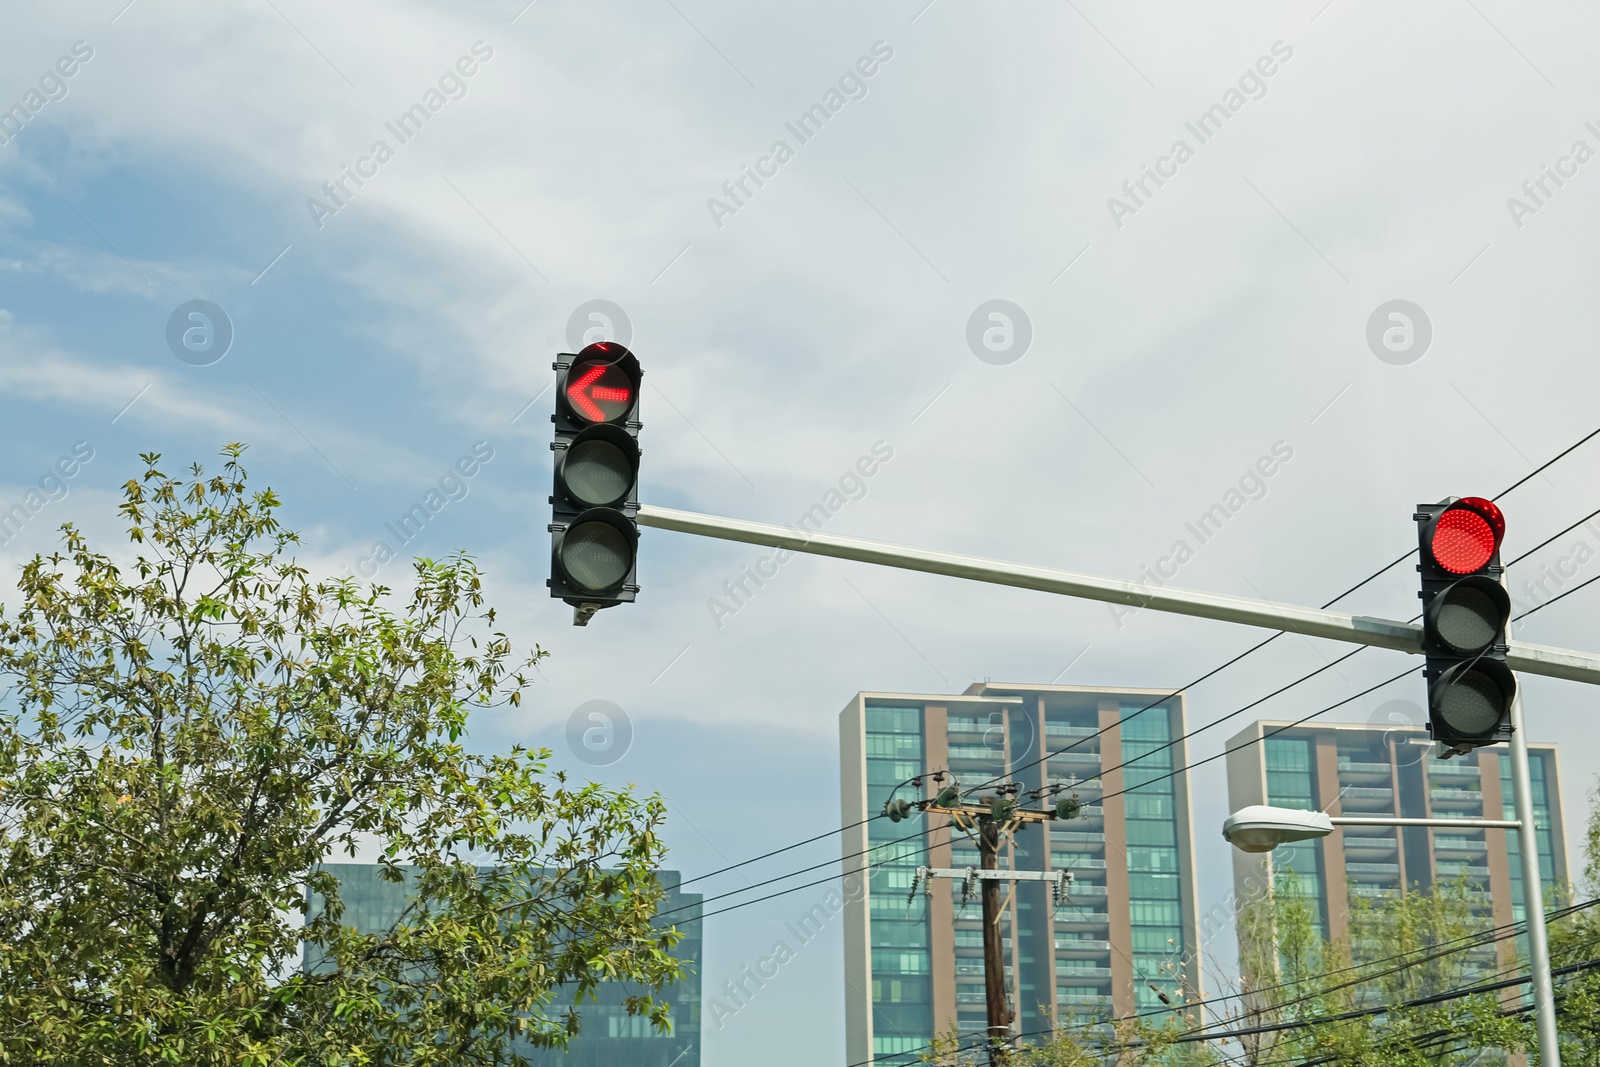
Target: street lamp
{"x":1262,"y":828}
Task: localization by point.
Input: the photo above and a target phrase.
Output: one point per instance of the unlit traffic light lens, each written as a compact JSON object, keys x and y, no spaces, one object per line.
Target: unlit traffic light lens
{"x":597,"y":473}
{"x":1468,"y":615}
{"x":1463,"y":540}
{"x":1469,"y":702}
{"x":596,"y":555}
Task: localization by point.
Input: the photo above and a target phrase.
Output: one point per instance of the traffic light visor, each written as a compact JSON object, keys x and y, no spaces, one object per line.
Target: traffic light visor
{"x":1464,"y":537}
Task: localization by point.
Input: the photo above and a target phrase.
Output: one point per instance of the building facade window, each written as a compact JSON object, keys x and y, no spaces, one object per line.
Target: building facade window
{"x":1292,"y":783}
{"x":1155,"y":889}
{"x":902,"y":985}
{"x":1540,"y":775}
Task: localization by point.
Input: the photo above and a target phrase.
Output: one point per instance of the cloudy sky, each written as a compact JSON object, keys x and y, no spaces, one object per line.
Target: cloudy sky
{"x":1162,"y":334}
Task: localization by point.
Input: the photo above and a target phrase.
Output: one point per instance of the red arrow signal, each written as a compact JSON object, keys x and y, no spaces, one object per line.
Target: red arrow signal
{"x":600,"y":392}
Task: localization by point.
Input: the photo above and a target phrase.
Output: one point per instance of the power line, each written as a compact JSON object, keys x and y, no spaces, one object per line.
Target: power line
{"x":1215,"y":722}
{"x":1206,"y":1034}
{"x":1202,"y":1034}
{"x":866,"y":870}
{"x":778,"y":851}
{"x":1478,"y":939}
{"x":1553,"y":599}
{"x":1493,"y":934}
{"x":1552,"y":537}
{"x":1162,"y":700}
{"x":803,"y":870}
{"x":1564,"y":530}
{"x":1382,"y":1009}
{"x":1341,"y":659}
{"x":1182,"y":737}
{"x":1239,"y":711}
{"x":785,"y":848}
{"x":1482,"y":988}
{"x":1547,"y":463}
{"x":1499,"y":934}
{"x":1374,"y":575}
{"x":1273,"y":733}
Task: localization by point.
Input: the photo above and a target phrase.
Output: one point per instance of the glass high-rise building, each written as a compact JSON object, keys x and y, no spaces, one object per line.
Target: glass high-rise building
{"x":609,"y":1037}
{"x":1358,"y":769}
{"x":1127,"y":934}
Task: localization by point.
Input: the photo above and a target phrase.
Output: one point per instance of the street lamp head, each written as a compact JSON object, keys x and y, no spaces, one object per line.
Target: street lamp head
{"x":1262,"y":828}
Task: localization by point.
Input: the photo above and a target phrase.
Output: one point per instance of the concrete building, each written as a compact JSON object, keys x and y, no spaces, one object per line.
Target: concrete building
{"x":913,"y":967}
{"x":1358,"y":769}
{"x":610,"y":1037}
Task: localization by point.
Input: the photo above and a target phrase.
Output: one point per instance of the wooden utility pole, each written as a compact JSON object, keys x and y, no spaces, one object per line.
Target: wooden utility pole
{"x":990,"y":835}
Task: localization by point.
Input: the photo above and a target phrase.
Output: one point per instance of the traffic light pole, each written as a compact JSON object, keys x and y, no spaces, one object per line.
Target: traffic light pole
{"x":1544,"y":994}
{"x":1571,"y":664}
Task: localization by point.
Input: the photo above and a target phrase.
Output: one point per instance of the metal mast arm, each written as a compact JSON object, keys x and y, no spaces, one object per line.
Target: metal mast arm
{"x":1571,"y":664}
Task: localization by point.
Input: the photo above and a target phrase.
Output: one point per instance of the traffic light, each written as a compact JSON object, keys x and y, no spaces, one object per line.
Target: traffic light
{"x":1465,"y":609}
{"x":594,"y":528}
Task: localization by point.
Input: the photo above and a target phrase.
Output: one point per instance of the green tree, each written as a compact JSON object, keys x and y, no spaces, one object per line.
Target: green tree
{"x":1145,"y":1040}
{"x":1575,"y":942}
{"x":1417,"y":946}
{"x":188,"y":731}
{"x":1399,"y":948}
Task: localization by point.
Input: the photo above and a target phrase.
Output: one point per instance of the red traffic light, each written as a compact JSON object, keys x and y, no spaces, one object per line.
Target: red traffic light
{"x":1466,"y":534}
{"x":599,"y":386}
{"x":594,"y":528}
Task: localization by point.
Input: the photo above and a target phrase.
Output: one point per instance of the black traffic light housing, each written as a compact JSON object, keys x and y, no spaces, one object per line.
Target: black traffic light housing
{"x":594,"y":528}
{"x":1465,"y":612}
